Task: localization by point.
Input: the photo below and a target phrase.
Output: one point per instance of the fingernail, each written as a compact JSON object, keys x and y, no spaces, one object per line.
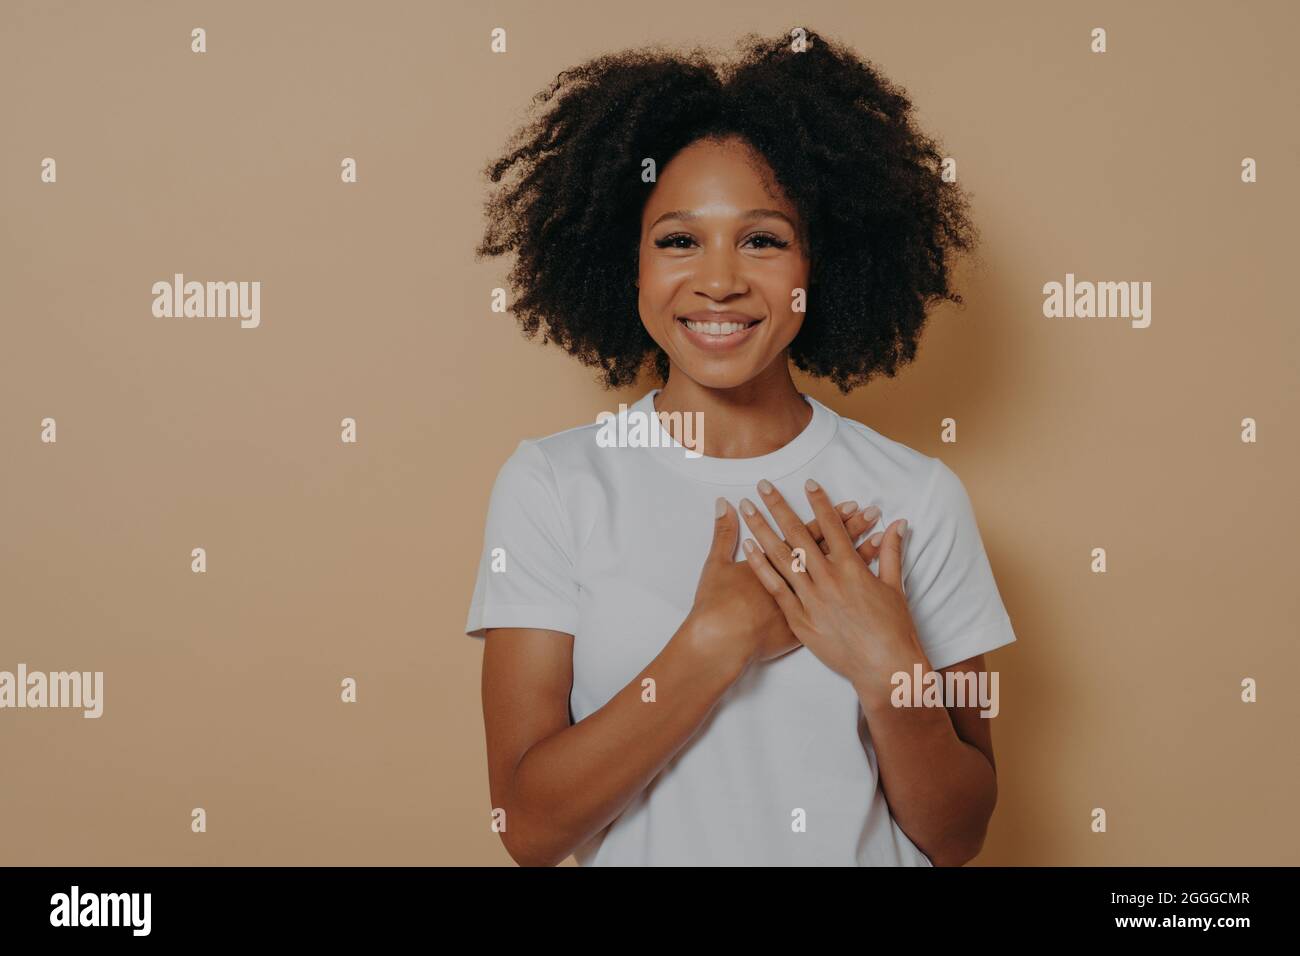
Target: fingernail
{"x":849,"y":507}
{"x":747,"y":506}
{"x":812,"y":485}
{"x":876,"y":538}
{"x":720,"y":507}
{"x":871,"y":513}
{"x":902,"y":527}
{"x":765,"y":486}
{"x":748,"y":545}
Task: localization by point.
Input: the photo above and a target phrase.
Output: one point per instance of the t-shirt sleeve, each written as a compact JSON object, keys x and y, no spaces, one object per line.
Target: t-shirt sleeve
{"x":526,"y":570}
{"x":955,"y":604}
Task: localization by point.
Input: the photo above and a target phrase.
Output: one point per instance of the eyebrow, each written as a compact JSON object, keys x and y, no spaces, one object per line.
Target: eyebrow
{"x":687,"y":216}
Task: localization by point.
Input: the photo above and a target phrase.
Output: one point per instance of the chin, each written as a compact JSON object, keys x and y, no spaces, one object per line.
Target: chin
{"x":718,"y":375}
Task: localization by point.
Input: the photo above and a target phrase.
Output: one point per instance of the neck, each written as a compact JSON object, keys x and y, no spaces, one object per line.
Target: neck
{"x":746,"y":421}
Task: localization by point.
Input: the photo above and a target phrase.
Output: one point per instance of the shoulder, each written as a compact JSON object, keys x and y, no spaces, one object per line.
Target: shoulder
{"x":903,"y":465}
{"x":550,"y":461}
{"x":582,"y":450}
{"x":931,"y":486}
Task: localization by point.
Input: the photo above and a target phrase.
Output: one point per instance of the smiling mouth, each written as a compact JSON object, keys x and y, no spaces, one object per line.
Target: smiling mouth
{"x":719,"y":329}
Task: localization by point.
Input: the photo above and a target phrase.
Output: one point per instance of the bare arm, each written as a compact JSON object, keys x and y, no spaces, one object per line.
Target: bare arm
{"x":561,"y":784}
{"x":936,"y":770}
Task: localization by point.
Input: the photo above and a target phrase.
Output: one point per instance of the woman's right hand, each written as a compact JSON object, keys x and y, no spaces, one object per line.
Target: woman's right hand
{"x":733,"y":616}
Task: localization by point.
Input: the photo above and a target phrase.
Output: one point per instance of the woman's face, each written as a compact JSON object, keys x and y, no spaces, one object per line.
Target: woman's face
{"x":720,"y":257}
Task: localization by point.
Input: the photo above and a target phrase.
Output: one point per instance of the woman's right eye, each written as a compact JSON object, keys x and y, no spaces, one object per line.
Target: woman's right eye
{"x":668,"y":242}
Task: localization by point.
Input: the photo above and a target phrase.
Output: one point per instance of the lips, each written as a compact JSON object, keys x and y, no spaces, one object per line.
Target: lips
{"x":717,"y":323}
{"x":718,"y":330}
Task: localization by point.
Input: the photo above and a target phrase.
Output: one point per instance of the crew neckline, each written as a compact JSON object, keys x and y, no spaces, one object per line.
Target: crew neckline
{"x":789,"y":458}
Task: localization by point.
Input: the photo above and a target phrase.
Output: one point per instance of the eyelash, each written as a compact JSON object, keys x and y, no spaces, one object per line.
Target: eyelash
{"x":776,"y":242}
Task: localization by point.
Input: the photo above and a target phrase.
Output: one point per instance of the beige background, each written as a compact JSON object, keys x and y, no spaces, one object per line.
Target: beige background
{"x":327,"y":560}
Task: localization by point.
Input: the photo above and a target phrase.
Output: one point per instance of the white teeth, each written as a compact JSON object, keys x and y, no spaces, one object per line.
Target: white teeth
{"x":716,"y":328}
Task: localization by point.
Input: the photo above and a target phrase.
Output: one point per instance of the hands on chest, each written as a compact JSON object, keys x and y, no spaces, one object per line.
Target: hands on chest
{"x":806,"y":586}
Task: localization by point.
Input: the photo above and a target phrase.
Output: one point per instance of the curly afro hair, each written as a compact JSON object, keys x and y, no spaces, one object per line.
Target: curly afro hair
{"x":882,"y":226}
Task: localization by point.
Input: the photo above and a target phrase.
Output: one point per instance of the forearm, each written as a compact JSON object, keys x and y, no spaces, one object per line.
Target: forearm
{"x":571,"y":785}
{"x":941,"y":790}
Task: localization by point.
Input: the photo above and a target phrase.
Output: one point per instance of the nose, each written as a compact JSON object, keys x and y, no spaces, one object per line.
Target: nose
{"x":720,"y":274}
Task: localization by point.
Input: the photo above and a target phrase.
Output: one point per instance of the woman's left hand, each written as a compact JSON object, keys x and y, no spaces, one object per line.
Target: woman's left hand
{"x":857,"y":623}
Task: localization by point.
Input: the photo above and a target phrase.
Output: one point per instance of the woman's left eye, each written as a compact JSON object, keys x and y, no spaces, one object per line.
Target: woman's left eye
{"x":776,"y":243}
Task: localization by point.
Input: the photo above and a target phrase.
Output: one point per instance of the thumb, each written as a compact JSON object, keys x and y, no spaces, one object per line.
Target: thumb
{"x":726,"y":525}
{"x":891,"y":555}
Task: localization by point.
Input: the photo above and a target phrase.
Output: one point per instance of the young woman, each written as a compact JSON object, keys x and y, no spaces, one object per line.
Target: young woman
{"x":655,"y":692}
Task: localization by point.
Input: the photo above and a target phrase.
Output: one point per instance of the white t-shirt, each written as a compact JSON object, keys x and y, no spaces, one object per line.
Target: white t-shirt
{"x":607,"y":544}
